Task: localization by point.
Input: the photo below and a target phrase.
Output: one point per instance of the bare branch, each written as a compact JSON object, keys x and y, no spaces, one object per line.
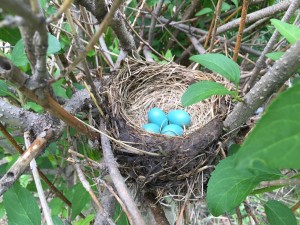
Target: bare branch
{"x":261,"y":60}
{"x":88,"y":188}
{"x":41,"y":96}
{"x":118,"y":179}
{"x":23,"y":161}
{"x":99,"y":10}
{"x":153,"y":21}
{"x":241,"y":29}
{"x":57,"y":192}
{"x":252,"y":17}
{"x":267,"y":85}
{"x":38,"y":183}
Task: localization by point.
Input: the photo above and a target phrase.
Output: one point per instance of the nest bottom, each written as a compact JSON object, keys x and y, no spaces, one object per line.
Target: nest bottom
{"x":154,"y":173}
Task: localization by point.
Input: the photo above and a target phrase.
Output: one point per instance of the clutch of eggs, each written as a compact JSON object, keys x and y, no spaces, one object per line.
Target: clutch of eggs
{"x":159,"y":122}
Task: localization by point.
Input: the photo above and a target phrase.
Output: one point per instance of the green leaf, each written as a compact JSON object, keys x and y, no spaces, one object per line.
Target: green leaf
{"x":2,"y":210}
{"x":289,"y":31}
{"x":35,"y":107}
{"x":21,"y":206}
{"x":228,"y":187}
{"x":220,"y":64}
{"x":275,"y":140}
{"x":225,"y":6}
{"x":56,"y":205}
{"x":279,"y":214}
{"x":4,"y":91}
{"x":275,"y":55}
{"x":202,"y":90}
{"x":80,"y":198}
{"x":236,"y":3}
{"x":86,"y":221}
{"x":120,"y":217}
{"x":204,"y":11}
{"x":57,"y":221}
{"x":58,"y":89}
{"x":18,"y":56}
{"x":53,"y":45}
{"x":10,"y":35}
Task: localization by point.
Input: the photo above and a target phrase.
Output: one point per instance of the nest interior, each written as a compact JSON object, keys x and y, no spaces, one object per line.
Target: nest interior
{"x":157,"y":160}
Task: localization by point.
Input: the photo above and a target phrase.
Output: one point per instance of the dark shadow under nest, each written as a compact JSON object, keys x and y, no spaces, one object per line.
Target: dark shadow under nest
{"x":158,"y":161}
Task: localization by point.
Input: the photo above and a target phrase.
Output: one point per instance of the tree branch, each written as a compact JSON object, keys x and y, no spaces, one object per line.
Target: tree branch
{"x":263,"y":89}
{"x":41,"y":96}
{"x":261,"y":60}
{"x":23,"y":161}
{"x":118,"y":180}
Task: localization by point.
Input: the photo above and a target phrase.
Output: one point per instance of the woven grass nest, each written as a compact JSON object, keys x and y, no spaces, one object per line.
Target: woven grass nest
{"x":156,"y":160}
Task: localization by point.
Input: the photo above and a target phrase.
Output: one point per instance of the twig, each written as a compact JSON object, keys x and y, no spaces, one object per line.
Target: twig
{"x":250,"y":213}
{"x":268,"y":84}
{"x":198,"y":46}
{"x":260,"y":62}
{"x":38,"y":183}
{"x":123,"y":206}
{"x":239,"y":216}
{"x":66,"y":5}
{"x":57,"y":192}
{"x":214,"y":30}
{"x":117,"y":179}
{"x":295,"y":207}
{"x":283,"y":182}
{"x":179,"y":220}
{"x":96,"y":36}
{"x":42,"y":97}
{"x":153,"y":21}
{"x":252,"y":17}
{"x":23,"y":161}
{"x":241,"y":28}
{"x":88,"y":188}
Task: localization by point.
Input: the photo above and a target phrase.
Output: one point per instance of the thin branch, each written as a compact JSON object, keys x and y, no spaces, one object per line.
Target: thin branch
{"x":88,"y":76}
{"x":107,"y":20}
{"x":23,"y":161}
{"x":268,"y":84}
{"x":281,"y":182}
{"x":66,"y":5}
{"x":239,"y":216}
{"x":214,"y":30}
{"x":118,"y":180}
{"x":241,"y":28}
{"x":88,"y":188}
{"x":250,"y":212}
{"x":57,"y":192}
{"x":252,"y":17}
{"x":153,"y":21}
{"x":38,"y":183}
{"x":295,"y":207}
{"x":261,"y":60}
{"x":41,"y":96}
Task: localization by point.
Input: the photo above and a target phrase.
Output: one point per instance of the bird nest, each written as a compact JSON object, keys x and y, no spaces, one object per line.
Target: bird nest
{"x":156,"y":160}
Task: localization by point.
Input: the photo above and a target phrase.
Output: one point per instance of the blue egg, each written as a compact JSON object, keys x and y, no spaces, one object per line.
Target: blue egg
{"x":172,"y":130}
{"x":157,"y":116}
{"x":179,"y":117}
{"x":151,"y":128}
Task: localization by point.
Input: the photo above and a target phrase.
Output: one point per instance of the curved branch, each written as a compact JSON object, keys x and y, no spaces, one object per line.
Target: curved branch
{"x":263,"y":89}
